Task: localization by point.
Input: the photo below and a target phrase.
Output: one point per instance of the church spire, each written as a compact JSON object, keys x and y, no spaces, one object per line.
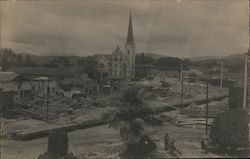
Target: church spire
{"x":130,"y":37}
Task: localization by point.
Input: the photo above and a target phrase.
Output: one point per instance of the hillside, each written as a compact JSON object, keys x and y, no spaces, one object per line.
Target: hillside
{"x":202,"y":58}
{"x":40,"y":60}
{"x":229,"y":60}
{"x":153,"y":55}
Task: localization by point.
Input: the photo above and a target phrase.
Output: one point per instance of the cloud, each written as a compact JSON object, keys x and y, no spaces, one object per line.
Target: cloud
{"x":186,"y":28}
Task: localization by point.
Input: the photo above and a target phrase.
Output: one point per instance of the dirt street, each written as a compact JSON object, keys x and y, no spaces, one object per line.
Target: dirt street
{"x":101,"y":141}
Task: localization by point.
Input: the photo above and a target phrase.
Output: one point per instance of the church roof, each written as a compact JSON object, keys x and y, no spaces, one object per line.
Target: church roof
{"x":130,"y":37}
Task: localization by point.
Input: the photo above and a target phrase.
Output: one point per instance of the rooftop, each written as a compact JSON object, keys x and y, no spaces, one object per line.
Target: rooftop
{"x":7,"y":76}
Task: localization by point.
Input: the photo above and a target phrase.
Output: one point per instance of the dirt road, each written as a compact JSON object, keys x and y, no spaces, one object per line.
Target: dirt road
{"x":95,"y":140}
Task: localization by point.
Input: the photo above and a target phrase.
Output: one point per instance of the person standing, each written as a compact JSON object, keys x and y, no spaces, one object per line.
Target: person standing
{"x":166,"y":141}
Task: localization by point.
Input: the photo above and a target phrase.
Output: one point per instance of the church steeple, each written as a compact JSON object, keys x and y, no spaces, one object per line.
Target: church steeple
{"x":130,"y":37}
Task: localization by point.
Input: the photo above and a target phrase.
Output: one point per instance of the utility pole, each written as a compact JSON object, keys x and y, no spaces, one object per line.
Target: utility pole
{"x":247,"y":70}
{"x":189,"y":93}
{"x":221,"y":75}
{"x":207,"y":109}
{"x":48,"y":99}
{"x":181,"y":71}
{"x":245,"y":82}
{"x":182,"y":90}
{"x":181,"y":80}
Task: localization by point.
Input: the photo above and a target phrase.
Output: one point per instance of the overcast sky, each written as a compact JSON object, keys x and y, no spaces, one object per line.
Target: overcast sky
{"x":181,"y":28}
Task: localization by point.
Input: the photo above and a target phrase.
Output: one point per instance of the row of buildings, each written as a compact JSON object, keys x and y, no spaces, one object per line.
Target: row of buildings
{"x":26,"y":83}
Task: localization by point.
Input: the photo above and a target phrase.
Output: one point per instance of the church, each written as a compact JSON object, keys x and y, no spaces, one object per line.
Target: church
{"x":123,"y":61}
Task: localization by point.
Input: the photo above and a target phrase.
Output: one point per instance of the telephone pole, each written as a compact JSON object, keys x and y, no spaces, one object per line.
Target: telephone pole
{"x":207,"y":109}
{"x":221,"y":75}
{"x":245,"y":82}
{"x":181,"y":80}
{"x":48,"y":90}
{"x":189,"y":91}
{"x":182,"y":90}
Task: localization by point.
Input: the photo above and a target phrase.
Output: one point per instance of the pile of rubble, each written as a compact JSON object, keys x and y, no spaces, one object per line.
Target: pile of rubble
{"x":214,"y":108}
{"x":171,"y":91}
{"x":63,"y":110}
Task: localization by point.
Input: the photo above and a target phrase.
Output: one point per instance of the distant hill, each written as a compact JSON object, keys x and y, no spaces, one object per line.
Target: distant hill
{"x":234,"y":59}
{"x":41,"y":60}
{"x":153,"y":55}
{"x":235,"y":63}
{"x":201,"y":58}
{"x":231,"y":59}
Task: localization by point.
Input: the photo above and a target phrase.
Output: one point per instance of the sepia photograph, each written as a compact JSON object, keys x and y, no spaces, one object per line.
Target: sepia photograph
{"x":124,"y":79}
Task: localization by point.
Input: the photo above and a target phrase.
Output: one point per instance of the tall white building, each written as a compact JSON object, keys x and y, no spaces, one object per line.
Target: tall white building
{"x":123,"y":62}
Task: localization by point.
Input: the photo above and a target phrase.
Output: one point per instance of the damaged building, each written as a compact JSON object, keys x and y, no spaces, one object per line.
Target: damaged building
{"x":21,"y":85}
{"x":83,"y":85}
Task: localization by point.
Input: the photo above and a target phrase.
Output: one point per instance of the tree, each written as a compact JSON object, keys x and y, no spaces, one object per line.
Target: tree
{"x":19,"y":60}
{"x":132,"y":115}
{"x":142,"y":59}
{"x":8,"y":58}
{"x":230,"y":130}
{"x":89,"y":65}
{"x":27,"y":60}
{"x":5,"y":64}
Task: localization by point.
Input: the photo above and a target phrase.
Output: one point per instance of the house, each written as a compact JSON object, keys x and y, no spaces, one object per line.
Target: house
{"x":192,"y":75}
{"x":11,"y":84}
{"x":10,"y":81}
{"x":153,"y":73}
{"x":44,"y":85}
{"x":42,"y":77}
{"x":104,"y":65}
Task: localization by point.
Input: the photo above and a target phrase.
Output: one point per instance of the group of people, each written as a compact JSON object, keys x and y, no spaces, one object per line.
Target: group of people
{"x":170,"y":145}
{"x":58,"y":146}
{"x":171,"y":148}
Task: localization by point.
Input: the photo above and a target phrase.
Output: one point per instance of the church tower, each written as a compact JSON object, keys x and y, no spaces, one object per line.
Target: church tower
{"x":130,"y":51}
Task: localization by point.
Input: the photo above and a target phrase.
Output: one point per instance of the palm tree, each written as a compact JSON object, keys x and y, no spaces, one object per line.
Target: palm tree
{"x":132,"y":115}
